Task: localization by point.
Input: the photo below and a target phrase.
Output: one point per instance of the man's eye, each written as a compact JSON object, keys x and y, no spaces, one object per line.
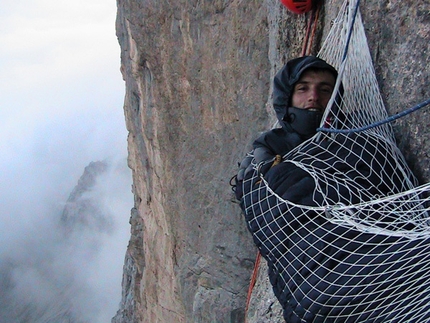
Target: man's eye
{"x":327,"y":90}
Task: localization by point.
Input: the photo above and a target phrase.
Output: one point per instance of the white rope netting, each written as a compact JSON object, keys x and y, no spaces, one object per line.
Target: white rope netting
{"x":356,"y":247}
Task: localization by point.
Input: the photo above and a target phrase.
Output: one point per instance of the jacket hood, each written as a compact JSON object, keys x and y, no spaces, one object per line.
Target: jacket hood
{"x":289,"y":75}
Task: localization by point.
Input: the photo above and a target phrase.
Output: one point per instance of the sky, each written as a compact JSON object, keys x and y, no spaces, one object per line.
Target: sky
{"x":61,"y":107}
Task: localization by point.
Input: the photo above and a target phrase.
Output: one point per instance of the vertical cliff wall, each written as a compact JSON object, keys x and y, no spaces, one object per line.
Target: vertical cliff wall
{"x":198,"y":79}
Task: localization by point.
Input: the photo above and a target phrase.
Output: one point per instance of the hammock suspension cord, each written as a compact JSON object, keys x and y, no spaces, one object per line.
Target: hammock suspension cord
{"x":379,"y":123}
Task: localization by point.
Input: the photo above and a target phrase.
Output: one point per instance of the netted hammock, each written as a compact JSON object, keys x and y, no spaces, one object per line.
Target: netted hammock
{"x":355,"y":247}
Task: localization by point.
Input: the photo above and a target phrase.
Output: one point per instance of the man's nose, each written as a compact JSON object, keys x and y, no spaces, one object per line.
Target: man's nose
{"x":313,"y":95}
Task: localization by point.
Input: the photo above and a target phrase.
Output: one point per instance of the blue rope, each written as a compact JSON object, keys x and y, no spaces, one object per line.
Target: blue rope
{"x":379,"y":123}
{"x":350,"y":30}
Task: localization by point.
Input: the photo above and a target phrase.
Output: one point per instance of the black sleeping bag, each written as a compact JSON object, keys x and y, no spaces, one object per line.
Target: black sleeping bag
{"x":323,"y":271}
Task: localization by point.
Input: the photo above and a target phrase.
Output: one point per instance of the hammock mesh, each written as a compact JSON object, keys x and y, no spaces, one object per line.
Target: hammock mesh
{"x":359,"y":250}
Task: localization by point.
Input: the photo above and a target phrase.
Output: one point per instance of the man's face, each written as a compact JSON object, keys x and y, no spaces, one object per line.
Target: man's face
{"x":313,"y":90}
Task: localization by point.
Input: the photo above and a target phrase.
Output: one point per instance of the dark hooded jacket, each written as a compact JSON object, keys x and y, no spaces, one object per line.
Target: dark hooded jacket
{"x":294,"y":130}
{"x":280,"y":141}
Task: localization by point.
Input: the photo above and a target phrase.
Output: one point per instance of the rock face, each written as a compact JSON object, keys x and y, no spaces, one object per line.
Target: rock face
{"x":83,"y":212}
{"x":198,"y":86}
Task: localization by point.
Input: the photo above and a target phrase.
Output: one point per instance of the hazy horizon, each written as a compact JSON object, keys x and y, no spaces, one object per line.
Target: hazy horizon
{"x":61,"y":96}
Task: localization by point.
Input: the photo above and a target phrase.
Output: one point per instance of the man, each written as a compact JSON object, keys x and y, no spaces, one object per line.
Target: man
{"x":325,"y":270}
{"x":302,"y":90}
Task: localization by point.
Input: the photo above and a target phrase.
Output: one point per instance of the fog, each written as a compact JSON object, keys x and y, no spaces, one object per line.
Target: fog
{"x":61,"y":98}
{"x":52,"y":271}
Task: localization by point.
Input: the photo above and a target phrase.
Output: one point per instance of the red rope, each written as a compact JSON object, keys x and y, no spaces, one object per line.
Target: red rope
{"x":314,"y":29}
{"x":306,"y":40}
{"x":253,"y":281}
{"x":309,"y":37}
{"x":306,"y":48}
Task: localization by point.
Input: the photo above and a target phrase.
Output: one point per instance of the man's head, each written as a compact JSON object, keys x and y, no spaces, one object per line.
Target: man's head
{"x":313,"y":90}
{"x":302,"y":90}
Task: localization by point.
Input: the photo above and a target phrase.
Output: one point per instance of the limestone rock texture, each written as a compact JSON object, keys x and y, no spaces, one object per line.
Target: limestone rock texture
{"x":198,"y":77}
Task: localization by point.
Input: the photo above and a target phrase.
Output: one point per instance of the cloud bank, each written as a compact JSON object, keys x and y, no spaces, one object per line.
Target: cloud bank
{"x":61,"y":98}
